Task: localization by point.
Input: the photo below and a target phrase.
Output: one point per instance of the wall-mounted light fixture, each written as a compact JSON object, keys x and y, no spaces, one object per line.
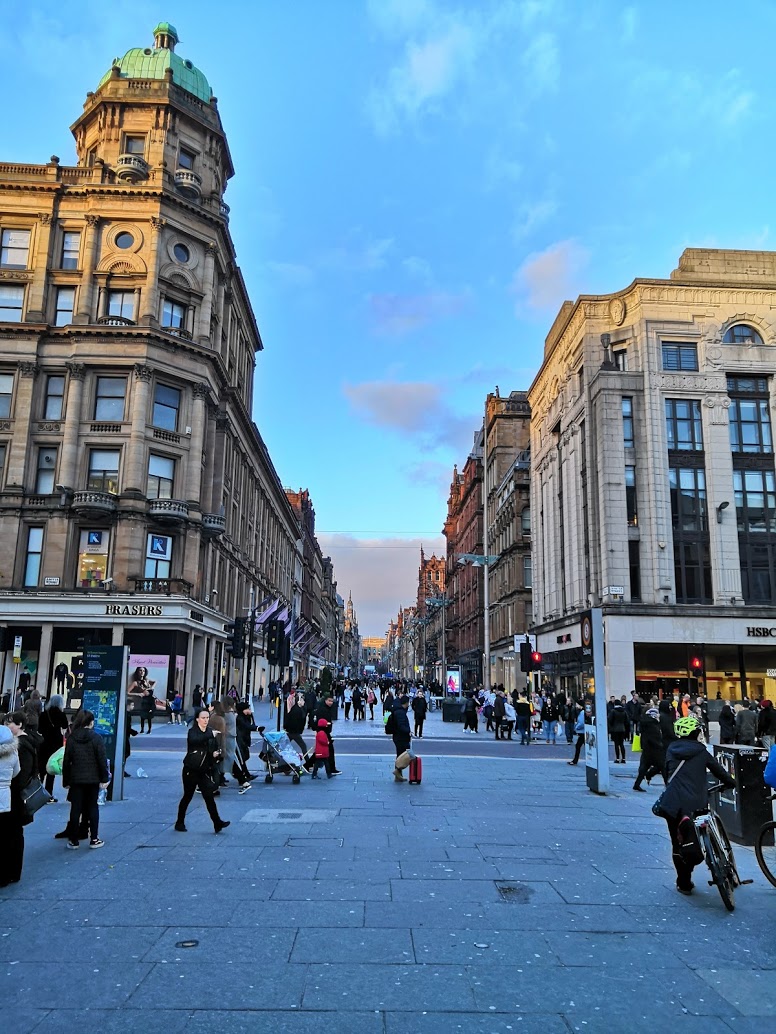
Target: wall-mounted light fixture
{"x":722,"y":506}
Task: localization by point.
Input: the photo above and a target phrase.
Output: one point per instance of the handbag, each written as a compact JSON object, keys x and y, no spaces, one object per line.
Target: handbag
{"x":657,"y":807}
{"x":34,"y":796}
{"x":636,"y":745}
{"x":195,"y":759}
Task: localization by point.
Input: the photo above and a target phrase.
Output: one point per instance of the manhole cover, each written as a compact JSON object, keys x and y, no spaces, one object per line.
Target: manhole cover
{"x":515,"y":893}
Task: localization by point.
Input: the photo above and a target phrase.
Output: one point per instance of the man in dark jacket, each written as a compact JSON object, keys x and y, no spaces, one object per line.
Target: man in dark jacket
{"x":766,"y":724}
{"x":687,"y":791}
{"x":294,"y":723}
{"x":652,"y":751}
{"x":746,"y":726}
{"x":667,"y":717}
{"x":633,"y":708}
{"x":245,"y":726}
{"x":619,"y":726}
{"x":327,"y":710}
{"x":727,"y":724}
{"x":419,"y":709}
{"x":310,"y":704}
{"x":402,"y":736}
{"x":499,"y":710}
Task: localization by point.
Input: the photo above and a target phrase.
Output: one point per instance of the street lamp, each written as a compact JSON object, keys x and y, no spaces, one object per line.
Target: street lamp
{"x":442,"y":602}
{"x":479,"y":560}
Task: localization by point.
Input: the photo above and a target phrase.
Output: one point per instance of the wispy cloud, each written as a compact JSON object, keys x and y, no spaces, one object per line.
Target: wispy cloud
{"x":397,"y":314}
{"x":548,"y":277}
{"x":432,"y":474}
{"x":418,"y":268}
{"x":541,"y":61}
{"x":418,"y":410}
{"x":358,"y":254}
{"x":532,"y":215}
{"x":292,"y":274}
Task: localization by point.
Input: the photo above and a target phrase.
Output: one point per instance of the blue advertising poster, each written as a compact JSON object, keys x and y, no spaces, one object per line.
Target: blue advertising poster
{"x":103,"y":687}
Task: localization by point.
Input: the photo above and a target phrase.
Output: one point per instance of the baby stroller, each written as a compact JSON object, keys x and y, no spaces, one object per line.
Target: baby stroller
{"x":281,"y":756}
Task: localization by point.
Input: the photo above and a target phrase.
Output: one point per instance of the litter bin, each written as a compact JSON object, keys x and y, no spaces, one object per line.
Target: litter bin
{"x":451,"y":711}
{"x":743,"y":810}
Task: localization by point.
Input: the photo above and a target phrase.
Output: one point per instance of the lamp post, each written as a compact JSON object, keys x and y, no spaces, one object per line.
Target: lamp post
{"x":478,"y":560}
{"x":443,"y":603}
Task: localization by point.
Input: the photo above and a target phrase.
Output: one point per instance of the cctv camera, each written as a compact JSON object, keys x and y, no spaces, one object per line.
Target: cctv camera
{"x":214,"y":592}
{"x":106,"y":581}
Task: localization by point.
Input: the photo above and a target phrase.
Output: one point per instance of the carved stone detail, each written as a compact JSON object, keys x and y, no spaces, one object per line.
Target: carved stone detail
{"x":29,"y":369}
{"x":91,"y":220}
{"x":143,"y":372}
{"x":617,"y":311}
{"x":46,"y":218}
{"x":158,"y":223}
{"x":201,"y":390}
{"x":689,"y":382}
{"x":718,"y":405}
{"x":77,"y":371}
{"x":11,"y":274}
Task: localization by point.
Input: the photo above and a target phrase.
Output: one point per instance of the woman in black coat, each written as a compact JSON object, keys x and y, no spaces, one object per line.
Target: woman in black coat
{"x":667,"y":718}
{"x":200,"y":771}
{"x":727,"y":724}
{"x":52,"y":727}
{"x":653,"y":753}
{"x":85,"y":771}
{"x":296,"y":718}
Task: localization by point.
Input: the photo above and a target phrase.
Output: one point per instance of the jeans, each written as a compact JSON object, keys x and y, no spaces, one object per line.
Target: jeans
{"x":549,"y":731}
{"x":524,"y":728}
{"x":569,"y":731}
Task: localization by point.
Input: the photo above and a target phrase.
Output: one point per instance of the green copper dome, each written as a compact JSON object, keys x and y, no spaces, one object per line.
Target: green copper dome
{"x":153,"y":62}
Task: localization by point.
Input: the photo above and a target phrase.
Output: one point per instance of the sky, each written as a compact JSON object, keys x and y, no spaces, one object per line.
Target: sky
{"x":419,"y":185}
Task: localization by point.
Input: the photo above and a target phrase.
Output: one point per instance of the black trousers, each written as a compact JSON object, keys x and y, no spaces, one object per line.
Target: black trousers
{"x":470,"y":720}
{"x":191,"y":782}
{"x":618,"y":739}
{"x":578,"y":747}
{"x":83,"y":802}
{"x":322,"y":762}
{"x":146,"y":716}
{"x":419,"y":726}
{"x":683,"y":868}
{"x":12,"y":839}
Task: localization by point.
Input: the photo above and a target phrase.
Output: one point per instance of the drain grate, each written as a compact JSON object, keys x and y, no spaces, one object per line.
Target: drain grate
{"x":289,"y":814}
{"x":515,"y":893}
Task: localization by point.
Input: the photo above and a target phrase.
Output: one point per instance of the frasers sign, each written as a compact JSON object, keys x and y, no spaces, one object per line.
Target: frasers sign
{"x":143,"y":610}
{"x":760,"y":632}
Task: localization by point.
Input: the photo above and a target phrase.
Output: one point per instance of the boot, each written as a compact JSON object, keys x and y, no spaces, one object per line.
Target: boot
{"x":398,"y":776}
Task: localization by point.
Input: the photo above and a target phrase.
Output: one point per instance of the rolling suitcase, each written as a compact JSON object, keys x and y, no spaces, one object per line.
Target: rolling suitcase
{"x":416,"y":770}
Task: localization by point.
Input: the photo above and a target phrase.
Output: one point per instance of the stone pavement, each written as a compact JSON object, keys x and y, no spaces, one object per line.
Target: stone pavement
{"x":498,"y":896}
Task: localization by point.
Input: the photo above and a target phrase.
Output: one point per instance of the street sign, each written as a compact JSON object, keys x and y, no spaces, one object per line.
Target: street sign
{"x":17,"y":649}
{"x":518,"y":639}
{"x":613,"y":590}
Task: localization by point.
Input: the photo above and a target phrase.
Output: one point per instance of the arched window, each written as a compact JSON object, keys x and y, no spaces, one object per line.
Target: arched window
{"x":742,"y":334}
{"x":525,"y":521}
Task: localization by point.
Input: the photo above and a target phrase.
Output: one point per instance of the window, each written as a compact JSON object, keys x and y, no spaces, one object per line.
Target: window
{"x":742,"y":334}
{"x":63,"y":314}
{"x":525,"y":521}
{"x":679,"y":357}
{"x":93,"y":557}
{"x":33,"y":556}
{"x":167,"y":403}
{"x":11,"y":303}
{"x":109,"y":399}
{"x":104,"y":471}
{"x":749,"y":414}
{"x":161,"y":475}
{"x":6,"y":393}
{"x":134,"y":145}
{"x":620,"y":356}
{"x":634,"y":565}
{"x":755,"y":495}
{"x":689,"y":516}
{"x":55,"y":397}
{"x":630,"y":497}
{"x":173,"y":314}
{"x":627,"y":422}
{"x":45,"y":470}
{"x":527,"y":572}
{"x":186,"y":159}
{"x":683,"y":424}
{"x":14,"y":249}
{"x":71,"y":247}
{"x":158,"y":559}
{"x":181,"y":252}
{"x":121,"y":303}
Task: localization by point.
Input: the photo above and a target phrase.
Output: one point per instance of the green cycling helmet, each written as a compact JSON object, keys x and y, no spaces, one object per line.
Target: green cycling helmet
{"x":686,"y":726}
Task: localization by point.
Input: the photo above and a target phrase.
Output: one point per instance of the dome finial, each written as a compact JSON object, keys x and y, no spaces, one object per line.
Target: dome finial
{"x":165,"y":36}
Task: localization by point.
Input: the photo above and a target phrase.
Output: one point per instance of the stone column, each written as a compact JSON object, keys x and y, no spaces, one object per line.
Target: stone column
{"x":85,"y":313}
{"x":20,"y":441}
{"x":150,"y":315}
{"x":43,"y":677}
{"x":209,"y":288}
{"x":36,"y":306}
{"x":68,"y":466}
{"x":134,"y":478}
{"x":193,"y":481}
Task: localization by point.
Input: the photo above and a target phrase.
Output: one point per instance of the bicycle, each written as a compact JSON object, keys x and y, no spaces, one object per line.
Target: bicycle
{"x":766,"y":852}
{"x":717,"y":852}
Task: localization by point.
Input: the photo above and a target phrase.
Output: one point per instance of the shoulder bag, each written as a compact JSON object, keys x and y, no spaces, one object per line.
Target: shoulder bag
{"x":195,"y":760}
{"x":34,"y":796}
{"x":657,"y":807}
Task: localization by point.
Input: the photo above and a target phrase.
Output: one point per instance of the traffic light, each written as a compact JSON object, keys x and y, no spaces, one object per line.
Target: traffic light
{"x":275,"y":637}
{"x":696,"y":665}
{"x":525,"y":657}
{"x":285,"y":651}
{"x":536,"y":660}
{"x":235,"y":638}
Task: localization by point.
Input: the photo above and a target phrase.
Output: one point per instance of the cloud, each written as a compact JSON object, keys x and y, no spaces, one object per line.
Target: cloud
{"x":532,"y":215}
{"x":397,"y":17}
{"x":433,"y":474}
{"x":548,"y":277}
{"x":500,"y":169}
{"x":418,"y":268}
{"x":414,"y":409}
{"x":398,"y":314}
{"x":541,"y":62}
{"x":358,"y":256}
{"x":381,"y":572}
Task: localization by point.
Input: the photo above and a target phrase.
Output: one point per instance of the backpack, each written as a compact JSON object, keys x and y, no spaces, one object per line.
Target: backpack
{"x":390,"y":724}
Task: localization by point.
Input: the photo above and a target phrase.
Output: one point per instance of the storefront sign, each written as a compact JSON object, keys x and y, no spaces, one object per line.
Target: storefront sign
{"x":144,"y":610}
{"x":760,"y":632}
{"x":51,"y":581}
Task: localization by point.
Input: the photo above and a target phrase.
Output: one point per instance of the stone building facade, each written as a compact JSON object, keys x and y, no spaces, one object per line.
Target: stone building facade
{"x":654,"y":491}
{"x":138,"y":502}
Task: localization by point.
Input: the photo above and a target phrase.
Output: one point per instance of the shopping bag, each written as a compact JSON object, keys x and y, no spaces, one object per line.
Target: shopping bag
{"x":54,"y":763}
{"x":636,"y":745}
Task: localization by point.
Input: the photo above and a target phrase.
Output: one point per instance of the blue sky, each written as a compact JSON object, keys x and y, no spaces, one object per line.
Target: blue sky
{"x":419,"y":185}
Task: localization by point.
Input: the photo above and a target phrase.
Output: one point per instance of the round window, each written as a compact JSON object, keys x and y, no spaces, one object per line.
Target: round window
{"x":124,"y":240}
{"x":181,"y":252}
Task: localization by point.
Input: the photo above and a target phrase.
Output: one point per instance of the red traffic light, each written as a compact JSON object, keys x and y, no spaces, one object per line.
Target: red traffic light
{"x":536,"y":657}
{"x":696,"y":664}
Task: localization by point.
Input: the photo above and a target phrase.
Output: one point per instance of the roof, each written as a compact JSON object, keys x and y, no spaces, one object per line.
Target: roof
{"x":153,"y":62}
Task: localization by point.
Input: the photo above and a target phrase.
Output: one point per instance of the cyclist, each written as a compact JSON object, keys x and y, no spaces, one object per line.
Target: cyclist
{"x":687,"y":760}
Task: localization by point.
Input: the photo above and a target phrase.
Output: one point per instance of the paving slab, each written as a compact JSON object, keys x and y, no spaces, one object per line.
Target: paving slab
{"x":360,"y":945}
